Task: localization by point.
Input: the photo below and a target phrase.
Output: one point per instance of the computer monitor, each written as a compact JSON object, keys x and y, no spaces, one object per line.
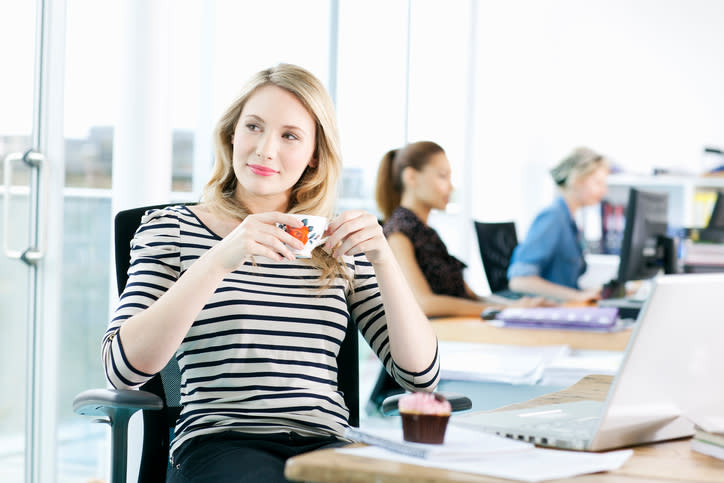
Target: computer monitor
{"x":716,"y":221}
{"x":646,"y":248}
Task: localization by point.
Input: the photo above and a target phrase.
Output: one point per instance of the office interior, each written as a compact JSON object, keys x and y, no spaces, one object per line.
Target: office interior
{"x":120,"y":99}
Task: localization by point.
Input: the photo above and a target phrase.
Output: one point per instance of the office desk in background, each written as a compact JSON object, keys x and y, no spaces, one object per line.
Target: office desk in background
{"x":661,"y":462}
{"x":474,"y":329}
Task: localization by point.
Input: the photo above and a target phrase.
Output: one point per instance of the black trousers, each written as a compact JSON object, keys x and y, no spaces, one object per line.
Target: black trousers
{"x":240,"y":457}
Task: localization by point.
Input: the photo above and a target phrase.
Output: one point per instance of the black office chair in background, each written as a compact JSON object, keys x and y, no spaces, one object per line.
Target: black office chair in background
{"x":496,"y":242}
{"x":159,"y":398}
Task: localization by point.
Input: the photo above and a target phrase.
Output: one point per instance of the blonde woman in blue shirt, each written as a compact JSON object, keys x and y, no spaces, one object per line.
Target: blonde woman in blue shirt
{"x":550,"y":259}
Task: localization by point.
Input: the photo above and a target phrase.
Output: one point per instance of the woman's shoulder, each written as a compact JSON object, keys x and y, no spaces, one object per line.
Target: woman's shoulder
{"x":171,"y":219}
{"x":166,"y":214}
{"x":555,"y":212}
{"x":401,"y":220}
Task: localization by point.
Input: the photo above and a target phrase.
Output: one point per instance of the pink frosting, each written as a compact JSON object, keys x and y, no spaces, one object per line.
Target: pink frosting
{"x":423,"y":403}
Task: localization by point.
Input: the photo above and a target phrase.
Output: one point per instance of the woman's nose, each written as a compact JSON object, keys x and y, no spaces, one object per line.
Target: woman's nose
{"x":266,"y":147}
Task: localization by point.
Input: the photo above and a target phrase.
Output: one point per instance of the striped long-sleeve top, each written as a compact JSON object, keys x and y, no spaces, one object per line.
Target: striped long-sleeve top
{"x":260,"y":357}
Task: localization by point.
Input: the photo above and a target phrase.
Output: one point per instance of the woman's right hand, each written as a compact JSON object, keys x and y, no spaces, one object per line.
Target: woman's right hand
{"x":257,"y":235}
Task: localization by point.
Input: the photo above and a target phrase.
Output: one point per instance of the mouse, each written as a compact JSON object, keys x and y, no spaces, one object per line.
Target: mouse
{"x":490,"y":313}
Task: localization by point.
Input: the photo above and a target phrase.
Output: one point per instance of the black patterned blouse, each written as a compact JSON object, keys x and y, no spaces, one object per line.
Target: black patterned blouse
{"x":444,"y":272}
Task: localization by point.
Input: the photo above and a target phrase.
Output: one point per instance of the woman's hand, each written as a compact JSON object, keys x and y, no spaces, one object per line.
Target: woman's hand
{"x":258,"y":235}
{"x":588,"y":296}
{"x":534,"y":302}
{"x":356,"y":231}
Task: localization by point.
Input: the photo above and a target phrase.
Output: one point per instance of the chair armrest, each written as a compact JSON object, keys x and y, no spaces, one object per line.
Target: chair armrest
{"x":458,"y":402}
{"x":116,"y":406}
{"x":101,"y":402}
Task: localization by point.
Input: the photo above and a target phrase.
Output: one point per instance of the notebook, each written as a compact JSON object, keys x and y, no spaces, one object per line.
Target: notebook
{"x":672,"y":367}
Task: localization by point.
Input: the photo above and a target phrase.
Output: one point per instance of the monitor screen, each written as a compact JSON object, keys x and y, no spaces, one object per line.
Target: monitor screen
{"x":645,"y":239}
{"x":717,"y":215}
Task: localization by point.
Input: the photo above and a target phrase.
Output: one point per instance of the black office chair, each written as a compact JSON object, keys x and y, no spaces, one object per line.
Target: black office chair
{"x":496,"y":242}
{"x":159,"y":397}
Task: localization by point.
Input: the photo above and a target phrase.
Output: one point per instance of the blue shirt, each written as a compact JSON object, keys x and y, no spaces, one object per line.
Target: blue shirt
{"x":552,"y":249}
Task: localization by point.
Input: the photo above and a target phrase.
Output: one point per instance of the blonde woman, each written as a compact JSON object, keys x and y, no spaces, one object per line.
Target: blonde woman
{"x":256,"y":330}
{"x":550,"y":259}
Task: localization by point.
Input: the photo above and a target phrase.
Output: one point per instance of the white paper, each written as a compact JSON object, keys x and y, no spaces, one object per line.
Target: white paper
{"x":570,"y":368}
{"x":711,"y":423}
{"x":460,"y":443}
{"x":496,"y":362}
{"x":534,"y":464}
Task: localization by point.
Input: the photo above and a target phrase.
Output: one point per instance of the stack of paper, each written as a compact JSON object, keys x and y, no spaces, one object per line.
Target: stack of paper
{"x":495,"y":362}
{"x":459,"y":443}
{"x":709,"y":435}
{"x":484,"y":454}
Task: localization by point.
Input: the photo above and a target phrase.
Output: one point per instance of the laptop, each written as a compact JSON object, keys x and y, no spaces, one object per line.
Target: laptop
{"x":673,"y":367}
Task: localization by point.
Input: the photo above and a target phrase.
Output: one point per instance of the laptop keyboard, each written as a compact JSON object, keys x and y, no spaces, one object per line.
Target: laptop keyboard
{"x":567,"y":425}
{"x":564,"y":433}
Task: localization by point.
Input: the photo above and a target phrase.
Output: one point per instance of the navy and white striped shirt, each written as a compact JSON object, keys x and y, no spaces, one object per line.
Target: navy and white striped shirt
{"x":261,"y":355}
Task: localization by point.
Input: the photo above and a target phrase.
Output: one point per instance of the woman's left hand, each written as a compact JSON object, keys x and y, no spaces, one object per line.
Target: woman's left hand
{"x":356,"y":231}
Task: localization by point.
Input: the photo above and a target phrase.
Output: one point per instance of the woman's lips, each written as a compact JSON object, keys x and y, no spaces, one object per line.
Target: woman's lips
{"x":261,"y":170}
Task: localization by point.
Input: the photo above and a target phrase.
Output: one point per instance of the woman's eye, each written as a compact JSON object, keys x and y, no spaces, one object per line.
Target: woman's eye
{"x":289,"y":136}
{"x":252,"y":127}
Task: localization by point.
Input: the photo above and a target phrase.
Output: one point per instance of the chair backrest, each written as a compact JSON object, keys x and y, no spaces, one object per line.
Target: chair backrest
{"x":496,"y":242}
{"x":158,"y":425}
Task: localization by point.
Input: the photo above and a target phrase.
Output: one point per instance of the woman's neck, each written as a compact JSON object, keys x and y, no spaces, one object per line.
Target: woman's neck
{"x":263,"y":204}
{"x":420,"y":210}
{"x":571,"y":202}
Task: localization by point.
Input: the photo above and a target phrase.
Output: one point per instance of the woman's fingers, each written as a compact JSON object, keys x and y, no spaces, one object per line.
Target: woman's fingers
{"x":261,"y":235}
{"x":354,"y":232}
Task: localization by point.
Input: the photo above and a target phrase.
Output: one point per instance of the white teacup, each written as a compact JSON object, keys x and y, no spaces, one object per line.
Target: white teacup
{"x":312,"y":234}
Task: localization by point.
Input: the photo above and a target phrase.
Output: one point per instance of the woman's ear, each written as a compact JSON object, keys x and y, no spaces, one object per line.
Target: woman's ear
{"x":409,"y":176}
{"x":313,"y":163}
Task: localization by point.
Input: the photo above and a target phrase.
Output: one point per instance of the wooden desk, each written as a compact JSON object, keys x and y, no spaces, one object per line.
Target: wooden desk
{"x":664,"y":462}
{"x":474,"y":329}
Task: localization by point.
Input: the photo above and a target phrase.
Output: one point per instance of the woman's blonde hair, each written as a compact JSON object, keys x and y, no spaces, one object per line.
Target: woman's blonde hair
{"x":578,"y":164}
{"x":315,"y":191}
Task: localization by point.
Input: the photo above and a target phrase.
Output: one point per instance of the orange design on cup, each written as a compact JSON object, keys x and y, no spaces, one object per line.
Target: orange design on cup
{"x":301,"y":233}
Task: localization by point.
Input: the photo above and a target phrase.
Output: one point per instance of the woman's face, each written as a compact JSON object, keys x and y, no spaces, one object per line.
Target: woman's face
{"x":591,"y":189}
{"x":274,"y":142}
{"x":432,"y":184}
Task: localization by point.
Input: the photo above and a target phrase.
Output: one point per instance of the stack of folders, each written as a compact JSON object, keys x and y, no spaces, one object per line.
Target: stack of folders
{"x":708,"y":443}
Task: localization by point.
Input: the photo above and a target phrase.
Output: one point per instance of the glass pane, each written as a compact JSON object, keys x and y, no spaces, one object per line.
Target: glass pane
{"x":92,"y":73}
{"x":187,"y":68}
{"x":91,"y":86}
{"x":82,"y":449}
{"x":13,"y":324}
{"x":17,"y":44}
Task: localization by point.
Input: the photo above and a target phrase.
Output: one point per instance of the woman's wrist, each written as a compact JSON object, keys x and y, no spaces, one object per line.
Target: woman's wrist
{"x":212,"y":263}
{"x":384,"y":259}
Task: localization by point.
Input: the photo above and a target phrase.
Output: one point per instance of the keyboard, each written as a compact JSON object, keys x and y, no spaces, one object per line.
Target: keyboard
{"x":591,"y":318}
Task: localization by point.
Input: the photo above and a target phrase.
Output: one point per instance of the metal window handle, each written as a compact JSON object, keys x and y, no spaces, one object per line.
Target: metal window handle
{"x":36,"y":162}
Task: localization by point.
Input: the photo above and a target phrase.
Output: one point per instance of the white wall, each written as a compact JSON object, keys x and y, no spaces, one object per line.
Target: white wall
{"x":641,"y":81}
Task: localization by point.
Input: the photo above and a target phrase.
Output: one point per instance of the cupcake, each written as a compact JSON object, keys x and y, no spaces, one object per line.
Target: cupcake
{"x":424,"y":417}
